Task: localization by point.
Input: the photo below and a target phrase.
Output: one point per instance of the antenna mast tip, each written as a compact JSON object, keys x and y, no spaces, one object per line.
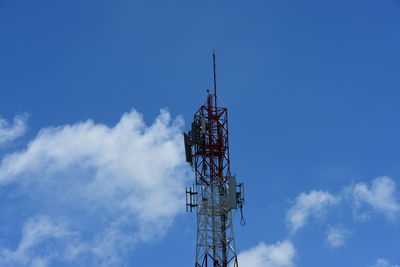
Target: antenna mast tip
{"x":215,"y":77}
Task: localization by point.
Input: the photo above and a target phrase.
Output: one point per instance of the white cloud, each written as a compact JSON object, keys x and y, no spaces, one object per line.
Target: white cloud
{"x":112,"y":186}
{"x":381,"y":196}
{"x":10,"y":132}
{"x":337,"y":237}
{"x":35,"y":232}
{"x":307,"y":205}
{"x":383,"y":263}
{"x":280,"y":254}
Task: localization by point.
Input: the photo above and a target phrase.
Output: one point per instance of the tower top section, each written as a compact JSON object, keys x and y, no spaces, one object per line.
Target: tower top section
{"x":215,"y":195}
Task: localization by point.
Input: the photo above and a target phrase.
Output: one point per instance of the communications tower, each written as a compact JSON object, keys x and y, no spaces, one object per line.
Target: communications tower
{"x":215,"y":195}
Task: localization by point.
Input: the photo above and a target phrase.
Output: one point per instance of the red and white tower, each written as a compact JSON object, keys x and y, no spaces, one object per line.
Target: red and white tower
{"x":216,"y":195}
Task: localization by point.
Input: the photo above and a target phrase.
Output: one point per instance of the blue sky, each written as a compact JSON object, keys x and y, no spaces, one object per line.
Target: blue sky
{"x":312,"y":91}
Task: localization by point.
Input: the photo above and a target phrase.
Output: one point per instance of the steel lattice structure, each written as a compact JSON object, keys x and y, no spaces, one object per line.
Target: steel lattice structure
{"x":215,"y":195}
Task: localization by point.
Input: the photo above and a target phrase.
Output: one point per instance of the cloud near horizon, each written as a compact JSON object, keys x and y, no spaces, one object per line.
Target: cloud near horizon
{"x":91,"y":192}
{"x":280,"y":254}
{"x":94,"y":190}
{"x":379,"y":198}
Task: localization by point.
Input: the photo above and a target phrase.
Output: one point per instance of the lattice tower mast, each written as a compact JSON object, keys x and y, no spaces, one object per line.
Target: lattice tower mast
{"x":215,"y":195}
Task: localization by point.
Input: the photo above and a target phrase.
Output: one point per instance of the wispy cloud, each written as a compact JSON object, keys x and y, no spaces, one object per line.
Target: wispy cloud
{"x":35,"y":233}
{"x":307,"y":205}
{"x":11,"y":131}
{"x":337,"y":237}
{"x":111,"y":186}
{"x":383,"y":263}
{"x":280,"y":254}
{"x":381,"y":197}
